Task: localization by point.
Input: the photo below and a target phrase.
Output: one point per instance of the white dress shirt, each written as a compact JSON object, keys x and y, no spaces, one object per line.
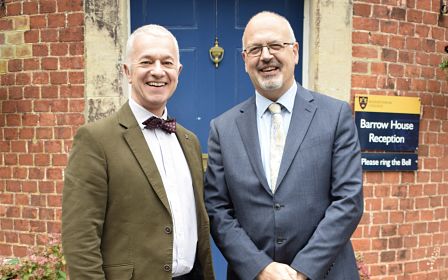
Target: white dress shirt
{"x":264,"y":122}
{"x":176,"y":177}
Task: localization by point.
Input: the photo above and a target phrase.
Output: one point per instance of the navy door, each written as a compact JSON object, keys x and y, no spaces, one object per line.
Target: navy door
{"x":205,"y":91}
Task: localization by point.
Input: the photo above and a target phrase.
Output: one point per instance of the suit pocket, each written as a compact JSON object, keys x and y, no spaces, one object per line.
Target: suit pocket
{"x":119,"y":271}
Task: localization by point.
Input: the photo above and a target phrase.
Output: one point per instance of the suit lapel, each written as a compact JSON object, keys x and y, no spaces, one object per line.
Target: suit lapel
{"x":247,"y":126}
{"x":301,"y":118}
{"x":137,"y":143}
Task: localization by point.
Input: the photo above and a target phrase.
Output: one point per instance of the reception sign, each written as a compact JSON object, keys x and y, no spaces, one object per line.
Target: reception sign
{"x":388,"y":124}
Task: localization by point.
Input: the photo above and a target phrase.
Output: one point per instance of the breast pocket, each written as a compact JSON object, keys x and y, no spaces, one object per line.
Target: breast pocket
{"x":119,"y":271}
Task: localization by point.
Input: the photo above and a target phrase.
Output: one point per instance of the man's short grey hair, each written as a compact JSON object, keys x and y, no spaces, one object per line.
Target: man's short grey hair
{"x":291,"y":32}
{"x":152,"y":30}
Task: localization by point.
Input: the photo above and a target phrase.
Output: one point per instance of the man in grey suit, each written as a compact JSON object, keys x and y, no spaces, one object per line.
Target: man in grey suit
{"x":283,"y":186}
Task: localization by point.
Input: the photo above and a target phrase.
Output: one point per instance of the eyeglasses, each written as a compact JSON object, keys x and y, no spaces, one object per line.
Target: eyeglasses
{"x":273,"y":48}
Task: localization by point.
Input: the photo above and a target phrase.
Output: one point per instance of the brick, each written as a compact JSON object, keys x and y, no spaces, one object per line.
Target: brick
{"x":71,"y":34}
{"x":26,"y":133}
{"x":36,"y":146}
{"x":50,"y":91}
{"x":49,"y":35}
{"x":389,"y":27}
{"x":364,"y":52}
{"x":59,"y":160}
{"x":56,"y":20}
{"x":38,"y":226}
{"x":360,"y":37}
{"x":389,"y":55}
{"x":15,"y":65}
{"x":13,"y":120}
{"x":6,"y":24}
{"x":72,"y":63}
{"x":30,"y":8}
{"x":429,"y":45}
{"x":31,"y":92}
{"x":396,"y":42}
{"x":76,"y":77}
{"x":430,"y":18}
{"x":72,"y":91}
{"x":79,"y":105}
{"x":59,"y":49}
{"x":14,"y":38}
{"x":413,"y":43}
{"x":367,"y":24}
{"x":396,"y":70}
{"x":398,"y":13}
{"x":59,"y":106}
{"x":387,"y":256}
{"x":75,"y":19}
{"x":30,"y":64}
{"x":70,"y":119}
{"x":41,"y":78}
{"x":414,"y":16}
{"x":57,"y":78}
{"x":40,"y":50}
{"x":76,"y":48}
{"x":378,"y":68}
{"x":23,"y":79}
{"x":14,"y":9}
{"x":381,"y":11}
{"x":361,"y":9}
{"x":62,"y":133}
{"x":49,"y":63}
{"x":47,"y":6}
{"x":18,"y":147}
{"x":69,"y":6}
{"x":406,"y":57}
{"x":47,"y":119}
{"x":54,"y":174}
{"x":44,"y":133}
{"x":359,"y":81}
{"x":406,"y":29}
{"x":422,"y":31}
{"x":7,"y":51}
{"x":38,"y":22}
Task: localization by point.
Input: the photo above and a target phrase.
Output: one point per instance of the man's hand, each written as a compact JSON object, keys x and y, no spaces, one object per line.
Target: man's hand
{"x":296,"y":275}
{"x":277,"y":271}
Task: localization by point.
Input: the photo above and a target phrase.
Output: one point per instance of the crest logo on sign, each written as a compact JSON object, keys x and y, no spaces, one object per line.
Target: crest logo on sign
{"x":363,"y":101}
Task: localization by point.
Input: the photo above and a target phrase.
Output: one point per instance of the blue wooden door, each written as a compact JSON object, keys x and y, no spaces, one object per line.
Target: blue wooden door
{"x":205,"y":91}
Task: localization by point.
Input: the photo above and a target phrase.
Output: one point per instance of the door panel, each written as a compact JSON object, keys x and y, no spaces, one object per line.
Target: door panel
{"x":205,"y":91}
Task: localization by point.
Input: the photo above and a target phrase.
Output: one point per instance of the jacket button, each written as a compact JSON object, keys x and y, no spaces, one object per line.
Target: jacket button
{"x":167,"y":267}
{"x":277,"y":206}
{"x":280,"y":240}
{"x":168,"y":230}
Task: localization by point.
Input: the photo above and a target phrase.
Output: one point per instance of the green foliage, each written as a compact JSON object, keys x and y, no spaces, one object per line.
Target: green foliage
{"x":43,"y":263}
{"x":444,"y":64}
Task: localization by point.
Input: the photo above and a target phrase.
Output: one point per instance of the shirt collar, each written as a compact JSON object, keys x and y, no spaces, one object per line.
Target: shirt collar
{"x":286,"y":100}
{"x":141,"y":114}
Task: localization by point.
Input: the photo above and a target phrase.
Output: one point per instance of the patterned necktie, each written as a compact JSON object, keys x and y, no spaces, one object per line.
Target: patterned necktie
{"x":169,"y":125}
{"x":277,"y":142}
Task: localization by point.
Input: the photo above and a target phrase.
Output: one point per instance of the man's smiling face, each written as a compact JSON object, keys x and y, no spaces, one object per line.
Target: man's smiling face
{"x":153,"y":71}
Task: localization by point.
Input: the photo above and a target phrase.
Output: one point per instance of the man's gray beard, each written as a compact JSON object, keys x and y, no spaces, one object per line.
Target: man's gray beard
{"x":271,"y":84}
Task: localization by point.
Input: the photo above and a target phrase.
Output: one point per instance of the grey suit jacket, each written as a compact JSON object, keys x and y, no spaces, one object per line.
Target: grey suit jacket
{"x":116,"y":220}
{"x":318,"y":202}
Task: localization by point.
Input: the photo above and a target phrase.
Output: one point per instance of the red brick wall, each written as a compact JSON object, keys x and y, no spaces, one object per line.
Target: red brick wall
{"x":42,"y":104}
{"x":397,"y":46}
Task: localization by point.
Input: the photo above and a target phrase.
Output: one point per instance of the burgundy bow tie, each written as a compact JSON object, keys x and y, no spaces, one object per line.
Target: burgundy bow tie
{"x":169,"y":125}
